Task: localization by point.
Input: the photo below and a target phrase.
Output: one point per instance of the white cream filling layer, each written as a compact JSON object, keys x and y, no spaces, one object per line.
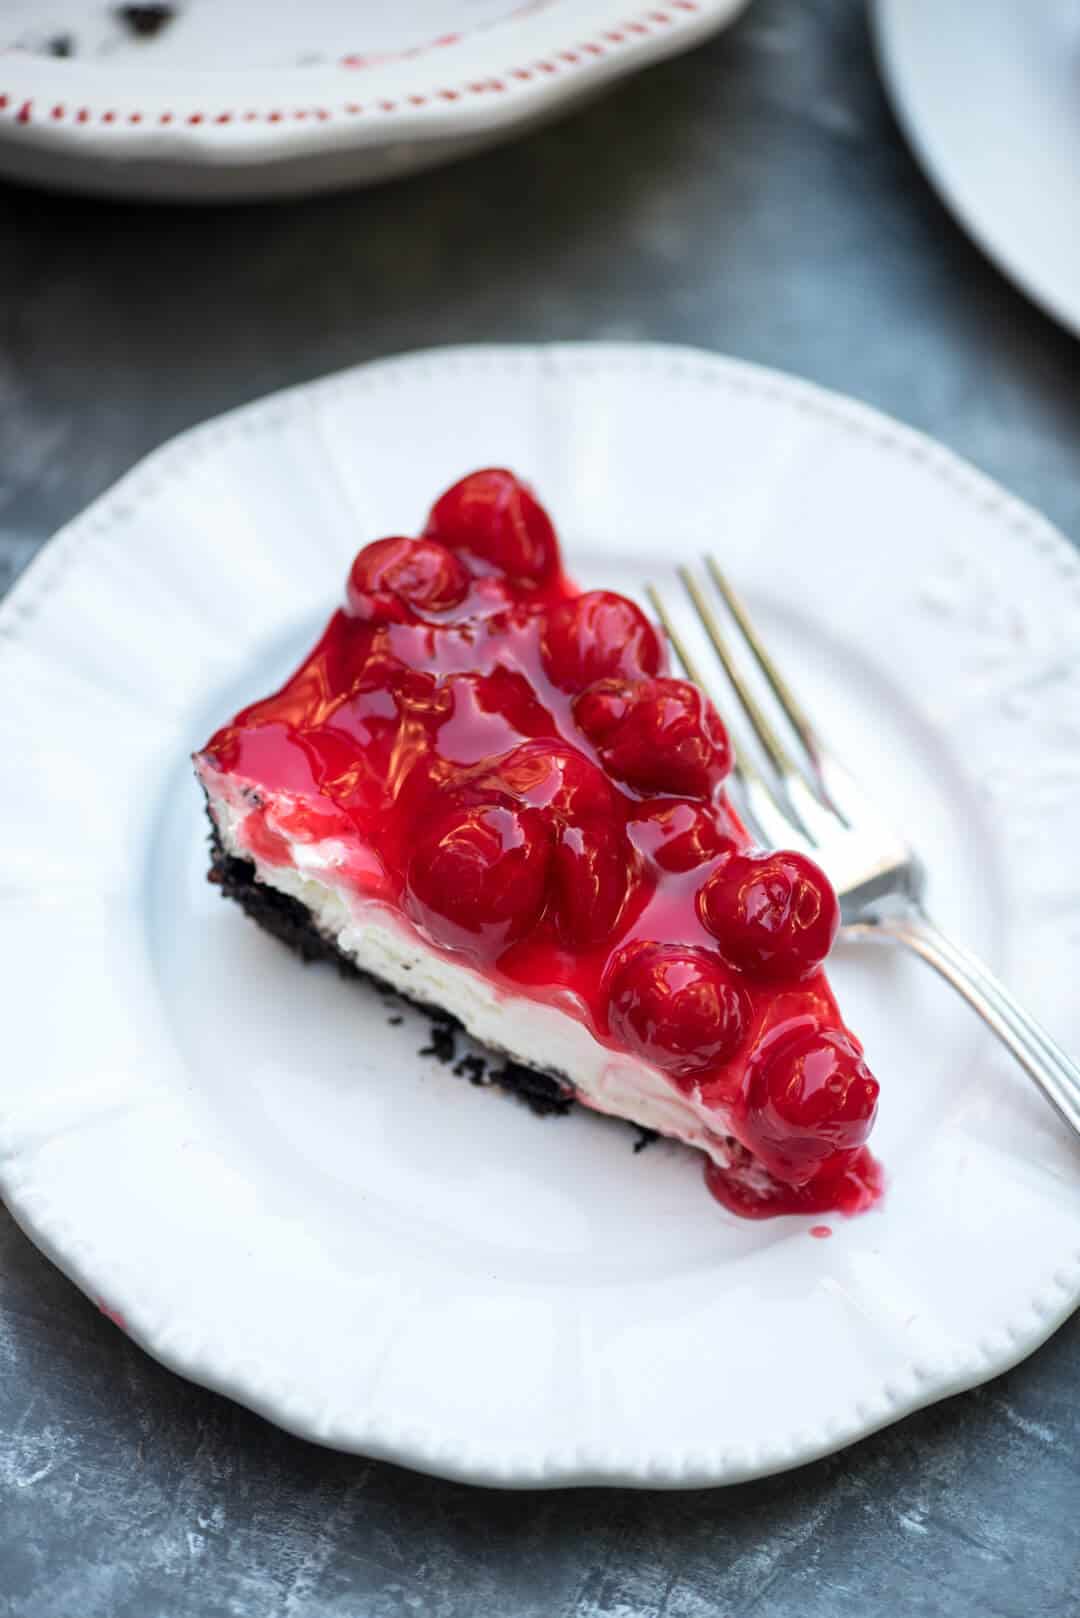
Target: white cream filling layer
{"x":382,"y":943}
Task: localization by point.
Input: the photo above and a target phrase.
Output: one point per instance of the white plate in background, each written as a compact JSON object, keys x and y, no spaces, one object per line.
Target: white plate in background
{"x":240,"y":99}
{"x":250,"y":1167}
{"x":988,"y":92}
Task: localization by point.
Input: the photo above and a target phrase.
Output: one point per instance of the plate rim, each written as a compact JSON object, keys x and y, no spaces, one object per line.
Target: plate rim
{"x":1053,"y":1298}
{"x":270,"y":118}
{"x":886,"y":22}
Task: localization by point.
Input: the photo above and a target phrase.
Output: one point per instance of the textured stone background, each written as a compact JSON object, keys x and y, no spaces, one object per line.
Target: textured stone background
{"x":756,"y":198}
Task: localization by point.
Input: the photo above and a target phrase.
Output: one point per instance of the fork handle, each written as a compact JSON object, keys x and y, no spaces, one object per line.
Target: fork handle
{"x":1041,"y":1057}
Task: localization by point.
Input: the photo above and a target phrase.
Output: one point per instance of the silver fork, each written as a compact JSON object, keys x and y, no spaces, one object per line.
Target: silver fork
{"x":817,"y":807}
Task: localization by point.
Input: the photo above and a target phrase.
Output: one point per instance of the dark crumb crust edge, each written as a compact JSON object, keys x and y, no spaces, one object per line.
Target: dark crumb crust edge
{"x":291,"y":922}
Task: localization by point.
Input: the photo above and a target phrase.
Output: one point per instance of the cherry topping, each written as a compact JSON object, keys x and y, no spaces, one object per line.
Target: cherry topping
{"x":503,"y":762}
{"x":493,"y":598}
{"x":678,"y":835}
{"x":773,"y":915}
{"x":809,"y":1096}
{"x":489,"y":714}
{"x":677,"y":1007}
{"x":591,"y":878}
{"x":596,"y":636}
{"x":658,"y":735}
{"x":592,"y":865}
{"x":849,"y":1183}
{"x":476,"y":882}
{"x":549,"y":775}
{"x":392,"y":576}
{"x":496,"y":520}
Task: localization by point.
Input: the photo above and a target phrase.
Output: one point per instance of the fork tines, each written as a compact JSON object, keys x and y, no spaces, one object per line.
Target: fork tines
{"x":789,"y":803}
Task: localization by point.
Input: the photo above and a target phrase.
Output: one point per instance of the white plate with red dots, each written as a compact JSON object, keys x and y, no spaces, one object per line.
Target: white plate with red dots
{"x":252,"y":1167}
{"x":218,"y":99}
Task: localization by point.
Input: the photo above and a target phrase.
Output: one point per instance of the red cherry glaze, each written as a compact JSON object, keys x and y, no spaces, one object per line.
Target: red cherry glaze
{"x":435,"y":742}
{"x":491,"y":595}
{"x":548,"y":775}
{"x":678,"y":835}
{"x":854,"y":1184}
{"x":773,"y":915}
{"x":656,"y":735}
{"x":592,"y":877}
{"x":597,"y":636}
{"x":810,"y":1099}
{"x":477,"y":881}
{"x":488,"y":713}
{"x":678,"y":1008}
{"x":496,"y":520}
{"x":392,"y":577}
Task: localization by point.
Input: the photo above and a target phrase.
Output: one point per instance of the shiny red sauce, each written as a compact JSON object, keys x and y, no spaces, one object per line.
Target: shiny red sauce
{"x":507,"y":762}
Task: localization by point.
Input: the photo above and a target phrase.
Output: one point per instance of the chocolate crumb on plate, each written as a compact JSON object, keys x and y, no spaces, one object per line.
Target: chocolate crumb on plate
{"x":60,"y":45}
{"x":442,"y":1046}
{"x":146,"y":22}
{"x":472,"y":1067}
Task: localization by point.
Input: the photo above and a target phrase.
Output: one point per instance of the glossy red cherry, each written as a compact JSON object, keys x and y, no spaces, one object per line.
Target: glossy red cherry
{"x":476,"y":882}
{"x":677,"y":1008}
{"x":496,"y":520}
{"x":488,"y":715}
{"x":597,"y":636}
{"x":591,"y":877}
{"x":809,"y":1096}
{"x":392,"y":707}
{"x":549,"y":775}
{"x":849,"y":1183}
{"x":393,"y":577}
{"x":678,"y":835}
{"x":658,"y":735}
{"x":773,"y":915}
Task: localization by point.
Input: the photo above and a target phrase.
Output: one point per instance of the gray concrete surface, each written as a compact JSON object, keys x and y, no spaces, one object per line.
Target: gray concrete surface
{"x":754,"y":198}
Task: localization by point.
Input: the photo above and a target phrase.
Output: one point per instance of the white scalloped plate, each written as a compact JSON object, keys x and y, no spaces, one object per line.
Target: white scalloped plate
{"x":245,"y":98}
{"x":252,"y":1169}
{"x":986,"y":91}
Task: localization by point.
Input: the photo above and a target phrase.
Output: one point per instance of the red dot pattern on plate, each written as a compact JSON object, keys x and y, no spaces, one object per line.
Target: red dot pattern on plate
{"x":638,"y":28}
{"x":502,"y":760}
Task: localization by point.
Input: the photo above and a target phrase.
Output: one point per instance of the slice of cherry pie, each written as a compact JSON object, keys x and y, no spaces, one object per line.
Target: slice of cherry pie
{"x":483,"y":788}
